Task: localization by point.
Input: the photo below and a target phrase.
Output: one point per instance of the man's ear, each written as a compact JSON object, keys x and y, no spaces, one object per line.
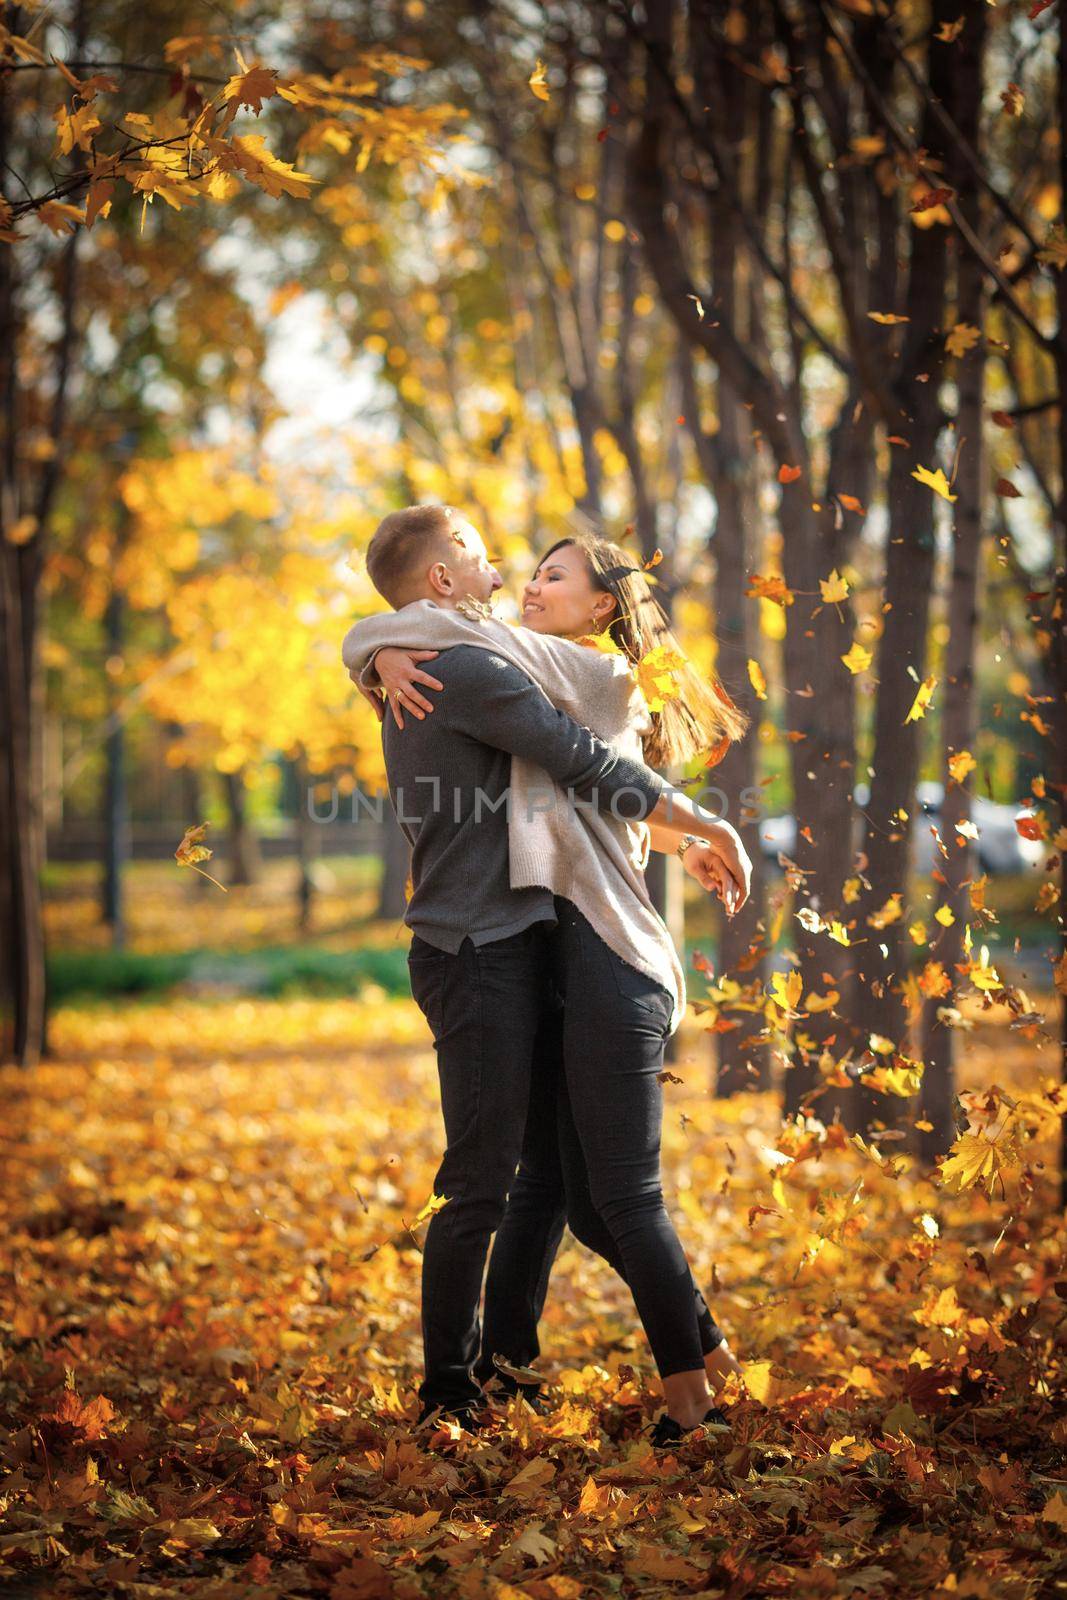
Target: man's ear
{"x":440,"y":578}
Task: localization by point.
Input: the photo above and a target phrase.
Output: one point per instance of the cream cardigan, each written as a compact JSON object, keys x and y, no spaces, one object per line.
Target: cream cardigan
{"x":589,"y":857}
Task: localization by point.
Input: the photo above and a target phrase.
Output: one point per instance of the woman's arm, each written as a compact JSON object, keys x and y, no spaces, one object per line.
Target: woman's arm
{"x":702,"y":861}
{"x":675,"y":814}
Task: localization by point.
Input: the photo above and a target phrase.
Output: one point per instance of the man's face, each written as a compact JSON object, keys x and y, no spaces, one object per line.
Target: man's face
{"x":473,"y":573}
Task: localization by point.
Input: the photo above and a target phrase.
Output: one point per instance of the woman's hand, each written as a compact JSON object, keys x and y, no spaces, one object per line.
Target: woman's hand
{"x":726,"y":865}
{"x":702,"y":862}
{"x":399,"y":674}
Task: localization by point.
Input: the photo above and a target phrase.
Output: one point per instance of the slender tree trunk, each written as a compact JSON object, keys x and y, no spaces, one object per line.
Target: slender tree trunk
{"x":396,"y":865}
{"x":958,"y":729}
{"x":304,"y":829}
{"x":1058,"y":613}
{"x":244,"y":852}
{"x":116,"y":810}
{"x":909,"y":572}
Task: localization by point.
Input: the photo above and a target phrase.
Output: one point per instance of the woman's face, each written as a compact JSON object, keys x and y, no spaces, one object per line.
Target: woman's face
{"x":560,"y":597}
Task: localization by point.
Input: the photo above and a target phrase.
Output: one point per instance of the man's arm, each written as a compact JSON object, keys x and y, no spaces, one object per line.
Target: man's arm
{"x":496,"y":703}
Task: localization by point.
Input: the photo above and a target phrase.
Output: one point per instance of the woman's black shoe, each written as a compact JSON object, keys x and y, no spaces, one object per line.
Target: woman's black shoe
{"x":665,"y":1431}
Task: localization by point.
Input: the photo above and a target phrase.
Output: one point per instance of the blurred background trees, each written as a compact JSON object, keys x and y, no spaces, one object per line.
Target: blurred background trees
{"x":774,"y":289}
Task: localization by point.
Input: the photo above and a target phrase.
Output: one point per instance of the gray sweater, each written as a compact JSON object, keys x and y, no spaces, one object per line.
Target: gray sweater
{"x":449,"y":783}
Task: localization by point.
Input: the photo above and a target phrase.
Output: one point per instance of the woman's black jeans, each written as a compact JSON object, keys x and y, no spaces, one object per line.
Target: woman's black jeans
{"x":591,"y":1157}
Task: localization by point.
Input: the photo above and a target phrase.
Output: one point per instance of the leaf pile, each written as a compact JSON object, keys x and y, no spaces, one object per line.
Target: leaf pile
{"x":210,"y":1329}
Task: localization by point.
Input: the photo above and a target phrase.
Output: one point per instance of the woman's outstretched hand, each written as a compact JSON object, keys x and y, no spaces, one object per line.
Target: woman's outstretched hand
{"x":721,"y":868}
{"x":399,"y":674}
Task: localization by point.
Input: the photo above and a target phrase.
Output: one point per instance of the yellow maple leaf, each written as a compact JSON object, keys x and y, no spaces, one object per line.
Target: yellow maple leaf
{"x":538,"y":82}
{"x":944,"y":915}
{"x":973,"y":1159}
{"x":786,"y":989}
{"x":963,"y":337}
{"x":920,"y":704}
{"x":251,"y":87}
{"x":891,"y":911}
{"x":833,"y":588}
{"x":757,"y":680}
{"x":888,"y":318}
{"x":960,"y":764}
{"x":935,"y":481}
{"x":656,"y":675}
{"x":858,"y":659}
{"x":263,"y":168}
{"x":602,"y":642}
{"x":75,"y":128}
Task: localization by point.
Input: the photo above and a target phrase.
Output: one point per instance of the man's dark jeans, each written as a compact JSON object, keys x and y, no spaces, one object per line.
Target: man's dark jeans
{"x":484,"y":1005}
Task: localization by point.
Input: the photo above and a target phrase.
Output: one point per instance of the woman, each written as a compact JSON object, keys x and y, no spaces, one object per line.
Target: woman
{"x":595,"y":1153}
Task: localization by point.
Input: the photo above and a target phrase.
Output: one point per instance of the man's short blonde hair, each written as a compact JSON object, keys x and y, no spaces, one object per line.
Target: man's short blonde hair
{"x":403,"y":544}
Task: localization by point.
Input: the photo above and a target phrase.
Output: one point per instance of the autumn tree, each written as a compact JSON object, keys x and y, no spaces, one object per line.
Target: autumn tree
{"x":99,"y":103}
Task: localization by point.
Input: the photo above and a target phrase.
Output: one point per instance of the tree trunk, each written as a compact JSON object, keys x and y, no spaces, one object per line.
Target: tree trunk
{"x":116,"y":811}
{"x":877,"y":993}
{"x":958,"y":727}
{"x":305,"y":841}
{"x":242,"y":844}
{"x":1058,"y":613}
{"x":396,"y":865}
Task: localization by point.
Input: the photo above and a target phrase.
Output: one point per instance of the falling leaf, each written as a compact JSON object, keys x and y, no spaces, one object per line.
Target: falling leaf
{"x":973,"y":1159}
{"x":756,"y":678}
{"x":921,"y":703}
{"x":772,"y":588}
{"x":657,"y":676}
{"x":1013,"y":100}
{"x":538,"y":82}
{"x":1007,"y":490}
{"x":833,"y":588}
{"x":789,"y":474}
{"x":889,"y":318}
{"x":963,"y":337}
{"x":786,"y":989}
{"x":931,"y":199}
{"x":858,"y":658}
{"x":934,"y":480}
{"x":191,"y":850}
{"x":961,"y":764}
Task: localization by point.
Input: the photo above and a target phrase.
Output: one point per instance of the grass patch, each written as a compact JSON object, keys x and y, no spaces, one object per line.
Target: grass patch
{"x":274,"y":971}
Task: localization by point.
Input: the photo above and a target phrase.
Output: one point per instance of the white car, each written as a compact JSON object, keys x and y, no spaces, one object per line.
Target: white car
{"x":1001,"y":848}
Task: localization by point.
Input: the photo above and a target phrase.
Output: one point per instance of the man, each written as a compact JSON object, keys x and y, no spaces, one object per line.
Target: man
{"x":478,"y":958}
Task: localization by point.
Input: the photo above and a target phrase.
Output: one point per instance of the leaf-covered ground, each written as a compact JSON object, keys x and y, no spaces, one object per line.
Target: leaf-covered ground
{"x":209,"y":1321}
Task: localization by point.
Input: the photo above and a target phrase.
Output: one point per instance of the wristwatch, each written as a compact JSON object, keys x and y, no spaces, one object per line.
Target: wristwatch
{"x":686,"y":840}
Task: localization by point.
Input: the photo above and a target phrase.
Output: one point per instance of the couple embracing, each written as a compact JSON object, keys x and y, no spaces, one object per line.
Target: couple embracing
{"x":548,"y":980}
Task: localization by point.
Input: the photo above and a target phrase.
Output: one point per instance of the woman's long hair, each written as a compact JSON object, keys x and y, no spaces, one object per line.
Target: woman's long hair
{"x":701,"y":717}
